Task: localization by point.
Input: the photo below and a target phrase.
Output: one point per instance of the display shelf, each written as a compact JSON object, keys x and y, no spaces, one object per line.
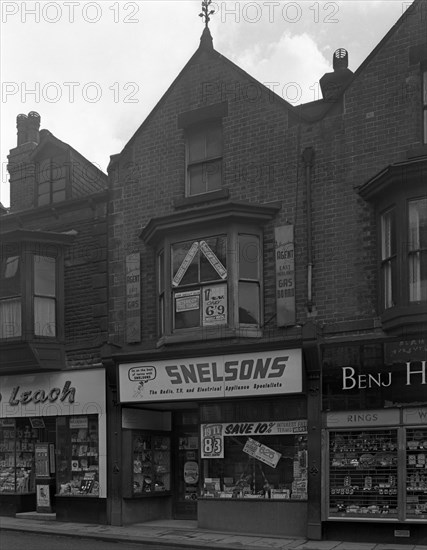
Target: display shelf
{"x":363,"y":474}
{"x":150,"y":464}
{"x":17,"y":456}
{"x":416,"y":473}
{"x":78,"y":456}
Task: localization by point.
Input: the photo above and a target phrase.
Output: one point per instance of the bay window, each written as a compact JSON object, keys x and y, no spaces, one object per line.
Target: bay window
{"x":31,"y":285}
{"x":399,"y":195}
{"x":209,"y":262}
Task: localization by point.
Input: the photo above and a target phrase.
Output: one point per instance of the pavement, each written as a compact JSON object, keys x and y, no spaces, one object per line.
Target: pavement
{"x":181,"y":534}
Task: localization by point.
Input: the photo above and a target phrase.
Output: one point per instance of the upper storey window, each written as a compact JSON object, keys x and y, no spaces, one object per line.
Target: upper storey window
{"x":401,"y":201}
{"x":51,"y":181}
{"x":204,"y":158}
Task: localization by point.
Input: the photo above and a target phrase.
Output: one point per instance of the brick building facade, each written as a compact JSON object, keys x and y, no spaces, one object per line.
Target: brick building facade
{"x":53,"y":324}
{"x":259,"y":234}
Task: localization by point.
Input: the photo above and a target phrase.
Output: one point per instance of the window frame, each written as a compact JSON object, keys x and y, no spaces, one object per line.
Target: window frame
{"x":27,"y":251}
{"x":424,"y":104}
{"x":232,"y":327}
{"x":203,"y":127}
{"x":53,"y":165}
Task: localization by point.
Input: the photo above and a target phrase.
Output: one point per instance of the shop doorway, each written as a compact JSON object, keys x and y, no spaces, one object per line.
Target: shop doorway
{"x":186,"y":463}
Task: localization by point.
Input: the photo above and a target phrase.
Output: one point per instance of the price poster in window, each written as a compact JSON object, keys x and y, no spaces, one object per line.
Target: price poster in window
{"x":215,"y":305}
{"x":212,"y":438}
{"x":187,"y":301}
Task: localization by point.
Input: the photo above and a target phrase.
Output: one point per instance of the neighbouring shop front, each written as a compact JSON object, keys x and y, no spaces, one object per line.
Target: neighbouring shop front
{"x":53,"y":444}
{"x":375,"y":428}
{"x":221,"y":439}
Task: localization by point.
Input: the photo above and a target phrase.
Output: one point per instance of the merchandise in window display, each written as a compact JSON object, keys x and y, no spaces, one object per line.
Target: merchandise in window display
{"x":78,"y":456}
{"x":416,"y":473}
{"x":239,"y":475}
{"x":17,"y":440}
{"x":150,"y":464}
{"x":363,"y":473}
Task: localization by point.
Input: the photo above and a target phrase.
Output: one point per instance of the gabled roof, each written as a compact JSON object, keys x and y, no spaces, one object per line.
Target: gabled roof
{"x":203,"y":49}
{"x":47,"y":138}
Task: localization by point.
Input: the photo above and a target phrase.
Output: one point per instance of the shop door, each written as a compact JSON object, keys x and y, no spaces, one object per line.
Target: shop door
{"x":186,"y":464}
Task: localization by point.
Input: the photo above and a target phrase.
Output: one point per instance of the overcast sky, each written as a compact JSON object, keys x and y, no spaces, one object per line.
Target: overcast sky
{"x":94,"y":70}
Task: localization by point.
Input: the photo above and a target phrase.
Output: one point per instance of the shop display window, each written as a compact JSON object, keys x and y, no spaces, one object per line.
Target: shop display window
{"x":78,"y":455}
{"x":258,"y":466}
{"x":416,"y":473}
{"x":150,"y":463}
{"x":17,"y":459}
{"x":363,"y":473}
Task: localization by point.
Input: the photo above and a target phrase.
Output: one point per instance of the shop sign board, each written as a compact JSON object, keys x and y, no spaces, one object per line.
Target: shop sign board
{"x":416,"y":415}
{"x":255,"y":374}
{"x":212,"y":435}
{"x":53,"y":394}
{"x":261,"y":452}
{"x":356,"y":419}
{"x":285,"y":275}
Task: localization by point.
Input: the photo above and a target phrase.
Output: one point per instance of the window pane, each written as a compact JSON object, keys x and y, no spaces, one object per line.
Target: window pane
{"x":388,"y":234}
{"x":10,"y":318}
{"x":213,"y":175}
{"x":44,"y":188}
{"x":214,"y":141}
{"x":58,"y":196}
{"x":44,"y":171}
{"x":44,"y":276}
{"x":44,"y":199}
{"x":389,"y":282}
{"x":196,"y":182}
{"x":58,"y":185}
{"x":187,"y":309}
{"x":418,"y":276}
{"x":44,"y":317}
{"x":425,"y":125}
{"x":196,"y":145}
{"x":418,"y":224}
{"x":10,"y":277}
{"x":249,"y":303}
{"x":425,"y":88}
{"x":249,"y":257}
{"x":161,"y":274}
{"x":213,"y":259}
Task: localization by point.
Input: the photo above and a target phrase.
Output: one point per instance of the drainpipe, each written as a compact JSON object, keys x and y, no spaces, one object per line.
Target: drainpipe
{"x":308,"y":159}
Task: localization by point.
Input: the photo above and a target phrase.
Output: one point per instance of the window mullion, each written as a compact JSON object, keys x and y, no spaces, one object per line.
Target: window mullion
{"x":233,"y":276}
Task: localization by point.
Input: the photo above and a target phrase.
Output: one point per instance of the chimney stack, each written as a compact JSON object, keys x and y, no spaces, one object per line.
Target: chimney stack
{"x":28,"y":128}
{"x":332,"y":84}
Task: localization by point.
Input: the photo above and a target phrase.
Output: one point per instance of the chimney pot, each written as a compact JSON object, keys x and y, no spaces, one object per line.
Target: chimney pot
{"x":33,"y":127}
{"x":21,"y":125}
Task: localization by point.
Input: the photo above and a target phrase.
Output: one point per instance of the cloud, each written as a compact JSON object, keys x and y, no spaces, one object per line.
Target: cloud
{"x":294,"y":64}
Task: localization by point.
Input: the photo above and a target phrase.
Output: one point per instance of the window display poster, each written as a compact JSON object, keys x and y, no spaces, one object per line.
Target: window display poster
{"x":262,"y":452}
{"x":187,"y":301}
{"x":214,"y":305}
{"x":77,"y":422}
{"x":212,"y":437}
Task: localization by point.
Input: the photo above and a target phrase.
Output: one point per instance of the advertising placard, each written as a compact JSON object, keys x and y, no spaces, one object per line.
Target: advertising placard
{"x":285,"y":275}
{"x":215,"y":305}
{"x":263,"y":373}
{"x":212,"y":438}
{"x":43,"y":497}
{"x":187,"y":301}
{"x":261,"y":452}
{"x":133,"y":298}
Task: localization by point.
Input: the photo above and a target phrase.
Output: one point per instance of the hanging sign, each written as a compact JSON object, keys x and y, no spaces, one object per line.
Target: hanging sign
{"x":285,"y":275}
{"x":212,"y":258}
{"x":186,"y":262}
{"x":262,"y":452}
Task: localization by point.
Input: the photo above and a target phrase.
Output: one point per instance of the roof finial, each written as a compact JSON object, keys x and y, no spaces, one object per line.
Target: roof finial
{"x":206,"y":12}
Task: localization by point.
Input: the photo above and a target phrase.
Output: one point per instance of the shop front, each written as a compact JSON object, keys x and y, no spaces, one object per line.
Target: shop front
{"x":221,"y":439}
{"x":375,"y":430}
{"x":53,"y":444}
